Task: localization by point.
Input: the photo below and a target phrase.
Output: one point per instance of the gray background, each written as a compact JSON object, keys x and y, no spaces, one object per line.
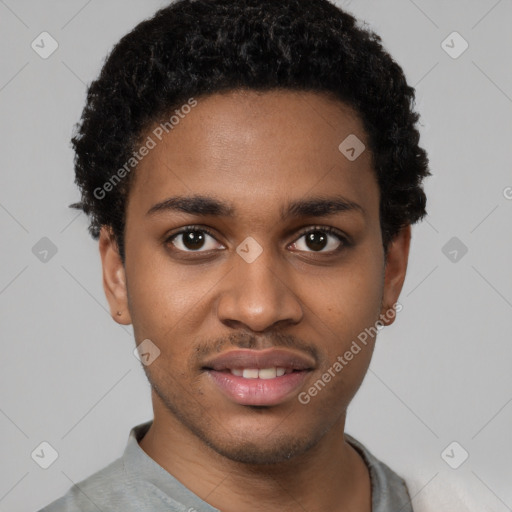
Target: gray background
{"x":440,"y":374}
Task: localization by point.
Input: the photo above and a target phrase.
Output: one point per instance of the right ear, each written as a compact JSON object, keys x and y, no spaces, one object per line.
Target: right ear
{"x":114,"y":277}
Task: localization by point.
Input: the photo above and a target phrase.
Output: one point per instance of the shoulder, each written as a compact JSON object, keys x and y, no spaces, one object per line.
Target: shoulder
{"x":106,"y":490}
{"x":422,"y":491}
{"x":389,"y":490}
{"x":113,"y":488}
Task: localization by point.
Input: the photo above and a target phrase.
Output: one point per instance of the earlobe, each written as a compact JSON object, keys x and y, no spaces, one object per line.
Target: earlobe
{"x":395,"y":271}
{"x":114,"y":277}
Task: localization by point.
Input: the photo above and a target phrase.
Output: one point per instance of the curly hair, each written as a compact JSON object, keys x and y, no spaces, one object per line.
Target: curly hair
{"x":196,"y":48}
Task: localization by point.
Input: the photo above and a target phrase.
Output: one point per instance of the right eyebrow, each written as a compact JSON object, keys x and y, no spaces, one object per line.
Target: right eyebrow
{"x":194,"y":205}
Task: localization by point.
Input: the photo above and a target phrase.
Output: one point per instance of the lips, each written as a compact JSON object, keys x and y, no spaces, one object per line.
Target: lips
{"x":260,"y":359}
{"x":259,"y":377}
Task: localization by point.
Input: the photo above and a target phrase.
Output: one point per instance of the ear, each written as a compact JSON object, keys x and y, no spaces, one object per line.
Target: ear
{"x":395,"y":270}
{"x":114,"y":278}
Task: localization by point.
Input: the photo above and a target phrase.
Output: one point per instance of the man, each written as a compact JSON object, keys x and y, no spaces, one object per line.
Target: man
{"x":252,"y":171}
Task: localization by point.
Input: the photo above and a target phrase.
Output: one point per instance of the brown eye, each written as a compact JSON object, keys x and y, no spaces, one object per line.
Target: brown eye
{"x":194,"y":240}
{"x":320,"y":240}
{"x":316,"y":240}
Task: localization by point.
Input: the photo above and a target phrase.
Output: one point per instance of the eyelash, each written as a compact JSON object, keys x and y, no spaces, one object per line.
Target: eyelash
{"x":344,"y":241}
{"x":329,"y":230}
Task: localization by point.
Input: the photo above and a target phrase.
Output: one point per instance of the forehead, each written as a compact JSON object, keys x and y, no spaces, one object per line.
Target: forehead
{"x":256,"y":150}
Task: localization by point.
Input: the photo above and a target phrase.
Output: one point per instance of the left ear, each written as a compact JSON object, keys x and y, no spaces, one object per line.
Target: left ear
{"x":395,"y":270}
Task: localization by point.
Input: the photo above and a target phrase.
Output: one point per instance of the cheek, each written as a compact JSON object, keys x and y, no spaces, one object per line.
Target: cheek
{"x":349,"y":300}
{"x":166,"y":299}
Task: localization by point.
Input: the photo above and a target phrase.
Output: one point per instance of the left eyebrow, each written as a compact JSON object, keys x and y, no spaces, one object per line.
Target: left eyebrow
{"x":320,"y":207}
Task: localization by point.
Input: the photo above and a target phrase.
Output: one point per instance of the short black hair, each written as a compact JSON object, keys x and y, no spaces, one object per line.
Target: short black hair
{"x":195,"y":48}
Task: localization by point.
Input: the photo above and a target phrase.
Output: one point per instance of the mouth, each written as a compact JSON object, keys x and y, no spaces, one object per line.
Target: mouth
{"x":263,"y":373}
{"x":259,"y":377}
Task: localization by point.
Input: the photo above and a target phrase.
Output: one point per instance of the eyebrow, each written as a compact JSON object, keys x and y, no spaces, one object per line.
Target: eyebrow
{"x":206,"y":205}
{"x":194,"y":205}
{"x":320,"y":207}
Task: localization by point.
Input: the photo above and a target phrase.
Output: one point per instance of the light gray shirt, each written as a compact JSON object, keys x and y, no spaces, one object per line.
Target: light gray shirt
{"x":136,"y":483}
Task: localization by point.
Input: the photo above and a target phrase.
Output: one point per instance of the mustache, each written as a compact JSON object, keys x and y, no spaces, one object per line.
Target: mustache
{"x":246,"y":340}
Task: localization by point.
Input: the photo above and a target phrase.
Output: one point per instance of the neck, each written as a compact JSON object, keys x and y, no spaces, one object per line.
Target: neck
{"x":329,"y":476}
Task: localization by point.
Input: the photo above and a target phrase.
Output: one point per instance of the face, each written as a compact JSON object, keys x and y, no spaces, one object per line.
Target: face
{"x":253,"y":249}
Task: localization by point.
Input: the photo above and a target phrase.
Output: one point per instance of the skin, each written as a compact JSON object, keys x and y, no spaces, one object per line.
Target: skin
{"x":256,"y":152}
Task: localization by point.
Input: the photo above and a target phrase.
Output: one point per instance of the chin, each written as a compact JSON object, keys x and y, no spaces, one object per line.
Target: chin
{"x":265,"y":451}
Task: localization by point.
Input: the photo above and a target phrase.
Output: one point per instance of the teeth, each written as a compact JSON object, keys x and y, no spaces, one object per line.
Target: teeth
{"x":267,"y":373}
{"x":250,"y":373}
{"x":255,"y":373}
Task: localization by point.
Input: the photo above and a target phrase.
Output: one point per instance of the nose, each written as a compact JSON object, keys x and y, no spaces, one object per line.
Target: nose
{"x":258,"y":296}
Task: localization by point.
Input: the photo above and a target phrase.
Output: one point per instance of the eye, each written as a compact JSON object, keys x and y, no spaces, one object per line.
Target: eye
{"x":194,"y":239}
{"x":319,"y":239}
